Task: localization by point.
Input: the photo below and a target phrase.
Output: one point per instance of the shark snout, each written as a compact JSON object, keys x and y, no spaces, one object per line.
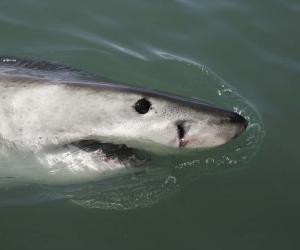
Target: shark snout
{"x":238,"y":119}
{"x":240,"y":122}
{"x":215,"y":131}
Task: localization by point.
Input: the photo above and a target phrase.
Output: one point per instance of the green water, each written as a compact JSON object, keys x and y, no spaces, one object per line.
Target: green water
{"x":252,"y":45}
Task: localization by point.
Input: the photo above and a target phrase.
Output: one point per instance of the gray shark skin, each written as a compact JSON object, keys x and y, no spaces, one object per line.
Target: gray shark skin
{"x":78,"y":127}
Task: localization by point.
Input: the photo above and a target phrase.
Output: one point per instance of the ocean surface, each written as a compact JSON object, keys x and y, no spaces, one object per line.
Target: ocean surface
{"x":239,"y":55}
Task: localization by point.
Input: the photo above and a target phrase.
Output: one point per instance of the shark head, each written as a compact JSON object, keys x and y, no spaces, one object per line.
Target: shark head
{"x":157,"y":121}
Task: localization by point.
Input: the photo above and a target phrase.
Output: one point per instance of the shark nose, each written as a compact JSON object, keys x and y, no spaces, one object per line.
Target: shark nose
{"x":238,"y":119}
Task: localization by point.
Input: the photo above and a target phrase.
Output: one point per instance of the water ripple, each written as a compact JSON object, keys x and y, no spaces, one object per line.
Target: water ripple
{"x":96,"y":39}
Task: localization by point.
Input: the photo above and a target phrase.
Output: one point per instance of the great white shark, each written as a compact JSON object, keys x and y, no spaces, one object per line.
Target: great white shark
{"x":78,"y":127}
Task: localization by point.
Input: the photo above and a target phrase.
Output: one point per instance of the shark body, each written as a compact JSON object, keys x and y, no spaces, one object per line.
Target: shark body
{"x":78,"y":128}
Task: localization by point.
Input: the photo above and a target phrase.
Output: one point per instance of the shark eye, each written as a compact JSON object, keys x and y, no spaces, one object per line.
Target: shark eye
{"x":142,"y":106}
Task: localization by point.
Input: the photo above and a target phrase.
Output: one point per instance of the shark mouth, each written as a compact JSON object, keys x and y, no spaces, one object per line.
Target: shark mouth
{"x":88,"y":160}
{"x":109,"y":152}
